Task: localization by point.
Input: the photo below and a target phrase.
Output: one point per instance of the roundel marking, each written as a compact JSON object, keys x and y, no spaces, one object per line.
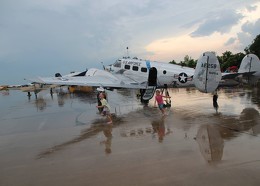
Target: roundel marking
{"x":183,"y":77}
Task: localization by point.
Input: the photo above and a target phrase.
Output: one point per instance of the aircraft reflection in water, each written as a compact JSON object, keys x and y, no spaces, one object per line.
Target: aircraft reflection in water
{"x":5,"y":92}
{"x":211,"y":137}
{"x":98,"y":126}
{"x":210,"y":142}
{"x":61,"y":95}
{"x":254,"y":96}
{"x":85,"y":134}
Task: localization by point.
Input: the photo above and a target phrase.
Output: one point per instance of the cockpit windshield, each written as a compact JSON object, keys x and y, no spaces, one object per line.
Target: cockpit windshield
{"x":117,"y":64}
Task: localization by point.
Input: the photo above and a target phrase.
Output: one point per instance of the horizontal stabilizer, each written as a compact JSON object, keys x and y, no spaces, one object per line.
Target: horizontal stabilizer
{"x":230,"y":75}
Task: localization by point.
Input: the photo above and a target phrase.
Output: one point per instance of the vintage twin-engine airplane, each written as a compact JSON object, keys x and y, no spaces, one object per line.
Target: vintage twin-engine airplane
{"x":149,"y":75}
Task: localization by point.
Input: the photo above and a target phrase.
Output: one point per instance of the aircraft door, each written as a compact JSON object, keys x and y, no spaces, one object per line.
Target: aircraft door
{"x":148,"y":93}
{"x":152,"y":77}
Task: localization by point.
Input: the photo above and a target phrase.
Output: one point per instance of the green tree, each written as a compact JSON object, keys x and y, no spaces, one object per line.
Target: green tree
{"x":172,"y":62}
{"x":254,"y":48}
{"x":188,"y":62}
{"x":228,"y":59}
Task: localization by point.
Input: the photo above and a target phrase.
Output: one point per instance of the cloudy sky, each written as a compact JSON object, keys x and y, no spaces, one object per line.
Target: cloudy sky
{"x":42,"y":37}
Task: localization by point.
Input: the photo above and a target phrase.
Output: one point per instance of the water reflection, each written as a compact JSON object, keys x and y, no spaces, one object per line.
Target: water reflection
{"x":107,"y":131}
{"x":250,"y":118}
{"x":159,"y":128}
{"x":99,"y":125}
{"x":5,"y":92}
{"x":256,"y":96}
{"x":210,"y":142}
{"x":40,"y":104}
{"x":251,"y":95}
{"x":138,"y":132}
{"x":85,"y":134}
{"x":62,"y":97}
{"x":210,"y":137}
{"x":232,"y":127}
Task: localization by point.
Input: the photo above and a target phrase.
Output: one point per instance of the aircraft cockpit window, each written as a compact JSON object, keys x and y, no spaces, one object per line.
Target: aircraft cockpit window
{"x":117,"y":64}
{"x":127,"y":67}
{"x":135,"y":68}
{"x":143,"y":69}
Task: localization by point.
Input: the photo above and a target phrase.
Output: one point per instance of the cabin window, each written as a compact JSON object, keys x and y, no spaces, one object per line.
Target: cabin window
{"x":127,"y":67}
{"x":164,"y":72}
{"x":143,"y":69}
{"x":135,"y":68}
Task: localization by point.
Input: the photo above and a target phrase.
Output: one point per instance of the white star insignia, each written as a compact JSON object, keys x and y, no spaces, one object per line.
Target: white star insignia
{"x":183,"y":78}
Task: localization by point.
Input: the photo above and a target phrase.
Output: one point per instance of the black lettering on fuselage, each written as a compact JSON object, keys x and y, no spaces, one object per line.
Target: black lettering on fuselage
{"x":204,"y":65}
{"x":132,"y":63}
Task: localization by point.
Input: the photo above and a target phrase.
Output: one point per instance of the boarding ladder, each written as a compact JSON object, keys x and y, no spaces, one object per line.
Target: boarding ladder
{"x":149,"y":92}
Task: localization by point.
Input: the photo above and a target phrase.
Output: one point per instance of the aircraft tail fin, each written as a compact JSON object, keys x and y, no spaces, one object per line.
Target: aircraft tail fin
{"x":207,"y":74}
{"x":249,"y":64}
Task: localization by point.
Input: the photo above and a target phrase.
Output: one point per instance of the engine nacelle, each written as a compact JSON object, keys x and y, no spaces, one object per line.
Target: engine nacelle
{"x":98,"y":72}
{"x":58,"y":75}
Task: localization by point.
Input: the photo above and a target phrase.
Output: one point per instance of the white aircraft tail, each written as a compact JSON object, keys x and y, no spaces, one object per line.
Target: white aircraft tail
{"x":207,"y":74}
{"x":250,"y":63}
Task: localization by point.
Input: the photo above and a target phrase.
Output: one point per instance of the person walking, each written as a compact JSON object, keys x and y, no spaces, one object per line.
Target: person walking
{"x":106,"y":107}
{"x":100,"y":90}
{"x":159,"y":99}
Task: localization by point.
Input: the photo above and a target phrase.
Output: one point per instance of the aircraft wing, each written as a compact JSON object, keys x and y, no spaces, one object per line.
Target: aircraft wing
{"x":96,"y":79}
{"x":234,"y":75}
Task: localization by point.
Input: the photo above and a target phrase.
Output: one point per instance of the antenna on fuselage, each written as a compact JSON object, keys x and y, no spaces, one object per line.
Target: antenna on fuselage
{"x":103,"y":65}
{"x":127,"y":54}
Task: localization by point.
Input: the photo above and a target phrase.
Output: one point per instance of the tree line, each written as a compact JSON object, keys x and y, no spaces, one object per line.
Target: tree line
{"x":228,"y":59}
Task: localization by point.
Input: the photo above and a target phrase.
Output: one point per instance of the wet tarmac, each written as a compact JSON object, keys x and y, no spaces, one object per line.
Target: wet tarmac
{"x":62,"y":140}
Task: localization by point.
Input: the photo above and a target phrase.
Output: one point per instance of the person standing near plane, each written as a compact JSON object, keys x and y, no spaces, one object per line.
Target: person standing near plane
{"x":100,"y":91}
{"x":159,"y":99}
{"x":215,"y":100}
{"x":106,"y":107}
